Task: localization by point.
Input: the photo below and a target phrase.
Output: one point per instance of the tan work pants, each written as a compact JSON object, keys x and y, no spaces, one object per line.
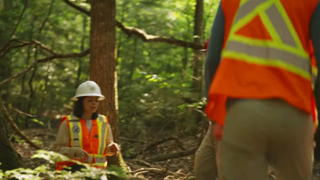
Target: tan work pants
{"x":262,"y":132}
{"x":206,"y":159}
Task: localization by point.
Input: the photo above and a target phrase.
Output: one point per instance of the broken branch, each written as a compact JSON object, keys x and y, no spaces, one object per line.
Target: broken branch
{"x":142,"y":34}
{"x":23,"y":113}
{"x":7,"y":48}
{"x":55,"y":56}
{"x":16,"y":128}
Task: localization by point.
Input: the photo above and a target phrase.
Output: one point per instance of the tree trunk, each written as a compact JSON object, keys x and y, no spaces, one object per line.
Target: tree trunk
{"x":102,"y":56}
{"x":197,"y":61}
{"x":102,"y":62}
{"x":9,"y":158}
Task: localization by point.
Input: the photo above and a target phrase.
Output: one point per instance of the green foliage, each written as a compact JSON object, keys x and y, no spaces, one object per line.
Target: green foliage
{"x":46,"y":172}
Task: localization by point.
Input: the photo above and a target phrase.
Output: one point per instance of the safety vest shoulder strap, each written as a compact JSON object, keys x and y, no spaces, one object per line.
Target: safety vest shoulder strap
{"x":75,"y":130}
{"x":103,"y":133}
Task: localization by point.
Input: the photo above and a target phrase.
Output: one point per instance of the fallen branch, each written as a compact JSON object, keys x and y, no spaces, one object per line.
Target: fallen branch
{"x":150,"y":146}
{"x":55,"y":56}
{"x":16,"y":128}
{"x":131,"y":140}
{"x":174,"y":155}
{"x":142,"y":34}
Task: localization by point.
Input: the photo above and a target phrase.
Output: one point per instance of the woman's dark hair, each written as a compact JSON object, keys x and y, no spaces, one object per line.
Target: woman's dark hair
{"x":78,"y":109}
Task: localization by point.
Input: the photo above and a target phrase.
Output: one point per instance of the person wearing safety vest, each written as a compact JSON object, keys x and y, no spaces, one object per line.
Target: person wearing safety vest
{"x":259,"y":83}
{"x":85,"y":135}
{"x":206,"y":162}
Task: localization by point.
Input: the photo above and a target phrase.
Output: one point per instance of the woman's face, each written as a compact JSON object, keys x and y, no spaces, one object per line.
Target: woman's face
{"x":90,"y":104}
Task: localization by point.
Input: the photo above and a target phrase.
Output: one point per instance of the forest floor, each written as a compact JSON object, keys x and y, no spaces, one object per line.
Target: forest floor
{"x":180,"y":168}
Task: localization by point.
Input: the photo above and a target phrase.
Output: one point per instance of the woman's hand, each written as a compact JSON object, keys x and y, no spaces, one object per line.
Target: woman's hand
{"x":80,"y":154}
{"x":113,"y":148}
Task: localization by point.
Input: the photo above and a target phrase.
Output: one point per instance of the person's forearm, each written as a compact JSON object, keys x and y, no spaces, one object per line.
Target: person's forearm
{"x":214,"y":49}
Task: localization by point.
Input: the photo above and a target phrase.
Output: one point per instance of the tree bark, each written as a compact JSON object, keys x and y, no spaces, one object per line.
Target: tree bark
{"x":9,"y":158}
{"x":197,"y":61}
{"x":102,"y":57}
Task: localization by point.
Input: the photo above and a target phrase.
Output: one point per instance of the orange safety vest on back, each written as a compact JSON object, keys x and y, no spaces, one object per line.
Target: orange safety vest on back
{"x":94,"y":143}
{"x":265,"y":54}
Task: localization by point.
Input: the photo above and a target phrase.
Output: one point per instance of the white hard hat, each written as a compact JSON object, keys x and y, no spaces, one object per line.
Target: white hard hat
{"x":88,"y":88}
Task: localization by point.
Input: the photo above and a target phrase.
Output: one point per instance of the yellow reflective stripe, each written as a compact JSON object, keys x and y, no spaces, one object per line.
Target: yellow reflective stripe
{"x":272,"y":31}
{"x":75,"y":138}
{"x":249,"y":16}
{"x":102,"y":123}
{"x":243,"y":2}
{"x":270,"y":53}
{"x":70,"y":132}
{"x":266,"y":62}
{"x":314,"y":72}
{"x":100,"y":160}
{"x":100,"y":164}
{"x":264,"y":43}
{"x":105,"y":134}
{"x":80,"y":135}
{"x":288,"y":23}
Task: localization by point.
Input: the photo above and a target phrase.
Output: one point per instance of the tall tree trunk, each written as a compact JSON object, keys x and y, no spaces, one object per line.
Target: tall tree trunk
{"x":102,"y":61}
{"x":102,"y":56}
{"x":9,"y":158}
{"x":197,"y":61}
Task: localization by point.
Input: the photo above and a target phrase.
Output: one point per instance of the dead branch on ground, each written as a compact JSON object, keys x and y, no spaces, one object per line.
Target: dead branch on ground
{"x":16,"y":128}
{"x":164,"y":157}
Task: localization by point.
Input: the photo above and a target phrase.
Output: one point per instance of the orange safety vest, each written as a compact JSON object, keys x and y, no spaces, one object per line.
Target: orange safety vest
{"x":94,"y":143}
{"x":265,"y":54}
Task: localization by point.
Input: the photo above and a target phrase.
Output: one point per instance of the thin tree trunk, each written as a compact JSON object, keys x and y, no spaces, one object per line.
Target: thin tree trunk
{"x":197,"y":61}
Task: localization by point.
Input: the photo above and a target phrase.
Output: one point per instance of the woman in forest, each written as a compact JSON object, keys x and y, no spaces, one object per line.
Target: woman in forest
{"x":85,"y":135}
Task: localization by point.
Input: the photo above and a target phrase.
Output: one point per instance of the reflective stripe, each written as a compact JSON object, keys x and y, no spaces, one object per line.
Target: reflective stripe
{"x":97,"y":159}
{"x":75,"y":132}
{"x":280,"y":25}
{"x":247,"y":7}
{"x":102,"y":126}
{"x":283,"y":51}
{"x":314,"y":72}
{"x":270,"y":54}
